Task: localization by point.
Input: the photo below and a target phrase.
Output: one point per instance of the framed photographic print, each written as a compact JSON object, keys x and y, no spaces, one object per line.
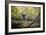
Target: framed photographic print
{"x":24,"y":17}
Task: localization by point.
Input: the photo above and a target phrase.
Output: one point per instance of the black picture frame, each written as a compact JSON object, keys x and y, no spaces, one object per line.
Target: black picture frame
{"x":23,"y":2}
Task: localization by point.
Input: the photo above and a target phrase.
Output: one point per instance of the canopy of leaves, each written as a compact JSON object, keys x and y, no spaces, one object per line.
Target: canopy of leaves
{"x":29,"y":11}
